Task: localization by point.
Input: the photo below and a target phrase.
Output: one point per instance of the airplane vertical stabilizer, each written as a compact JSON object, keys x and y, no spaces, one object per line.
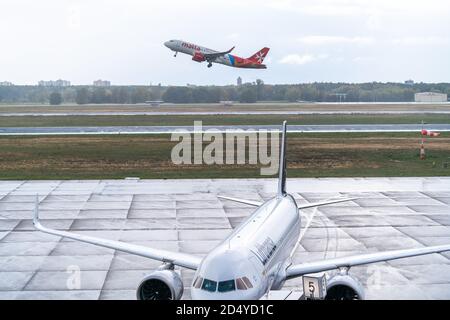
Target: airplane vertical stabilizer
{"x":282,"y":165}
{"x":259,"y":56}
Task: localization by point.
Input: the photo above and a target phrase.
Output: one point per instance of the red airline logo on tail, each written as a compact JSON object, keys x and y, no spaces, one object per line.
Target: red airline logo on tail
{"x":260,"y":55}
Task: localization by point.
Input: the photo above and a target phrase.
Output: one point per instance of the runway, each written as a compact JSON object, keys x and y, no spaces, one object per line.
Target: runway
{"x":218,"y":113}
{"x":171,"y":129}
{"x":266,"y":108}
{"x":186,"y":215}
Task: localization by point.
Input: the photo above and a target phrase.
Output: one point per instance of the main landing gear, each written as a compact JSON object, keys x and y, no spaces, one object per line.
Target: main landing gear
{"x":209,"y":65}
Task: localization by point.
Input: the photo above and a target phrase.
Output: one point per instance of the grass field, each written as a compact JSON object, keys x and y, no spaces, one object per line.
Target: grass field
{"x":177,"y":120}
{"x":309,"y":155}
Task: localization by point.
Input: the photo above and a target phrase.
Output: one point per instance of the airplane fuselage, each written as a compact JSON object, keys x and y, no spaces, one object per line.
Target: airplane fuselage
{"x":259,"y":249}
{"x":198,"y":52}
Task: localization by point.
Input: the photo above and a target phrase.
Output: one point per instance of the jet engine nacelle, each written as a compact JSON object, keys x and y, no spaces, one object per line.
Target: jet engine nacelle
{"x":199,"y":57}
{"x":160,"y":285}
{"x":344,"y":287}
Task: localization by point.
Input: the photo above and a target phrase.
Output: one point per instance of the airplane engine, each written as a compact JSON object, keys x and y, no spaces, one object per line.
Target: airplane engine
{"x":199,"y":57}
{"x":344,"y":287}
{"x":161,"y":285}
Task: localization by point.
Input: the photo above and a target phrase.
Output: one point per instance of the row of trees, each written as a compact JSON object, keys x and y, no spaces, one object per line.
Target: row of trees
{"x":122,"y":94}
{"x":248,"y":93}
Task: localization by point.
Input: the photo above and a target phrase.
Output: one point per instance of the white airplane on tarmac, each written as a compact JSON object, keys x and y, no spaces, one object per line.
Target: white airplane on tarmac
{"x":255,"y":258}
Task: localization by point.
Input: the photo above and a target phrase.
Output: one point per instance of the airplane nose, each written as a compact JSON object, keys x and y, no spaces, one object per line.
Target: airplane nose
{"x":167,"y":44}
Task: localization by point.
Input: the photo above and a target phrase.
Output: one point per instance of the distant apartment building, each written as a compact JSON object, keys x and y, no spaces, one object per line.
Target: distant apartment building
{"x":430,"y":97}
{"x":101,"y":83}
{"x":51,"y":83}
{"x":6,"y":84}
{"x":239,"y":81}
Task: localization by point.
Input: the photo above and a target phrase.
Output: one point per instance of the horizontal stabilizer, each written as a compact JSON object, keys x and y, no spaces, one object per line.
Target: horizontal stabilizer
{"x":249,"y":202}
{"x":324,"y":203}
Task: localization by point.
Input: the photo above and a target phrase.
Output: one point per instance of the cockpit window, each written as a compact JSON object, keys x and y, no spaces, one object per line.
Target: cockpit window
{"x":225,"y":286}
{"x":240,"y":284}
{"x":247,"y":282}
{"x":198,"y":282}
{"x":209,"y":285}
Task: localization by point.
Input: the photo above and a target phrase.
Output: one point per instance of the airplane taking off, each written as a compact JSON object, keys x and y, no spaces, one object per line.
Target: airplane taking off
{"x":201,"y":54}
{"x":255,"y":258}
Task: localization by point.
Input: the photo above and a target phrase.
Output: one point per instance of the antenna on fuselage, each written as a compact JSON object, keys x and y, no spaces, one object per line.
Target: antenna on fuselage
{"x":282,"y":165}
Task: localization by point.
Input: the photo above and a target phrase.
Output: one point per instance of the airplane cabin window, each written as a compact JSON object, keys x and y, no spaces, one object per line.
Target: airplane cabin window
{"x":240,"y":284}
{"x":225,"y":286}
{"x":247,"y":282}
{"x":209,"y":285}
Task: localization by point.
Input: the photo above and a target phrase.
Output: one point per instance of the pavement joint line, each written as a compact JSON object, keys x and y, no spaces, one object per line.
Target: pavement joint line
{"x":9,"y":193}
{"x":31,"y":278}
{"x":108,"y":272}
{"x":129,"y":207}
{"x":434,"y":198}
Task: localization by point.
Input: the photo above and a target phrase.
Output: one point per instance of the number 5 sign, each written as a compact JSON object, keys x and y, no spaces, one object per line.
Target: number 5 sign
{"x":314,"y":287}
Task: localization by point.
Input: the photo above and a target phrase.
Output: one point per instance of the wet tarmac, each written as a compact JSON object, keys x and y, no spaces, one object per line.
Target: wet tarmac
{"x":187,"y":216}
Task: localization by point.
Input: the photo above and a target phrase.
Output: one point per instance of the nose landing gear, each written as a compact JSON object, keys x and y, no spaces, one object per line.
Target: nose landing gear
{"x":175,"y":53}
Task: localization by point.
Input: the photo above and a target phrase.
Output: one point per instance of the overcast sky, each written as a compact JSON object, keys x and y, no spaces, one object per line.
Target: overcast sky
{"x":317,"y":40}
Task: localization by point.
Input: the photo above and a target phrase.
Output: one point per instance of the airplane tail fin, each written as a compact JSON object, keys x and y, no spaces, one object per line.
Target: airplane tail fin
{"x":260,"y":55}
{"x":282,"y":165}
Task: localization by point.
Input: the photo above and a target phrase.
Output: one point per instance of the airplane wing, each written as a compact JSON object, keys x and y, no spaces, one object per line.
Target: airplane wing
{"x":298,"y":270}
{"x":249,"y":202}
{"x":176,"y":258}
{"x":212,"y":56}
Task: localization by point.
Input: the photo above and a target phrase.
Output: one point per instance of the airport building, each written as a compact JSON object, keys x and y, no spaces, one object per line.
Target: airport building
{"x":430,"y":97}
{"x":6,"y":84}
{"x":57,"y":83}
{"x":101,"y":83}
{"x":239,"y":81}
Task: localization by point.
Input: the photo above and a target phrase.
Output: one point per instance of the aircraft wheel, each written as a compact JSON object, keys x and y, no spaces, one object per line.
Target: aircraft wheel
{"x":209,"y":65}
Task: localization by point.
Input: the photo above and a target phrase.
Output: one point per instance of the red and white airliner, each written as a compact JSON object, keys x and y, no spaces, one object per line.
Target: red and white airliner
{"x":201,"y":54}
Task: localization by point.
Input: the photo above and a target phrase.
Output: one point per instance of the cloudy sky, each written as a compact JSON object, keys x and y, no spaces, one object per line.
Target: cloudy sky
{"x":316,"y":40}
